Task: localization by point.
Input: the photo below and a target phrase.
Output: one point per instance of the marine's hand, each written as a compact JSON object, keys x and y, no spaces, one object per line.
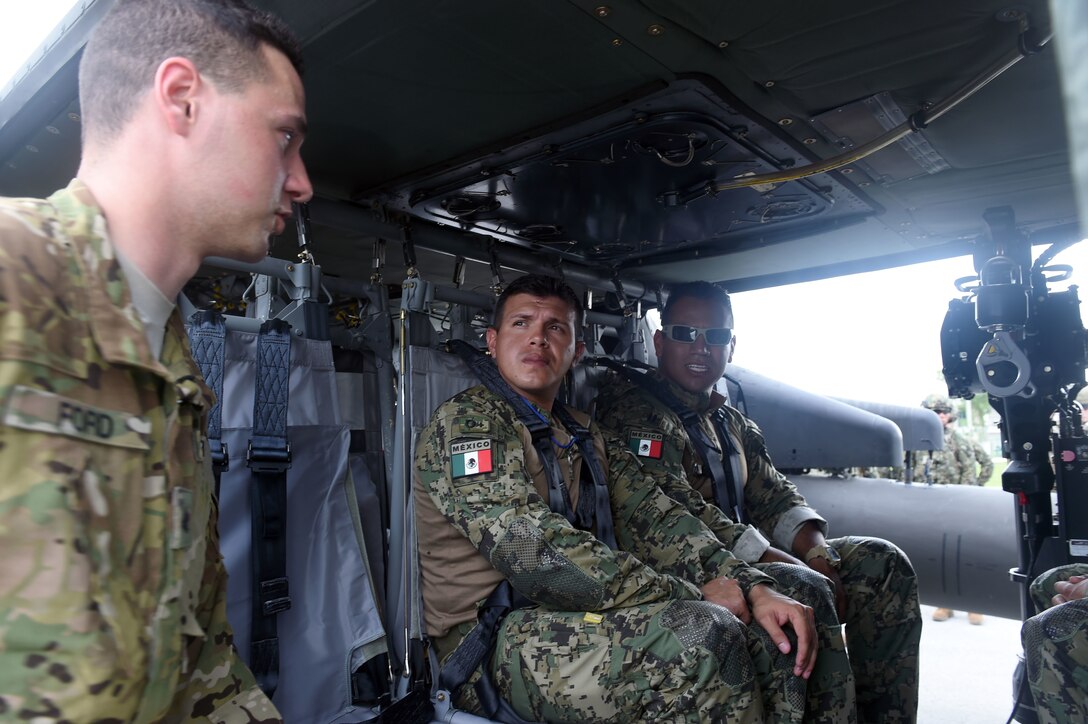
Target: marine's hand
{"x":772,"y":611}
{"x":774,"y":555}
{"x":1075,"y":588}
{"x":820,"y":565}
{"x":727,"y":592}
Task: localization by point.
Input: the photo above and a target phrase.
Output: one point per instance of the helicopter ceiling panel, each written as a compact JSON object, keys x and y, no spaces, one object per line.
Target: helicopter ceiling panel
{"x":639,"y":181}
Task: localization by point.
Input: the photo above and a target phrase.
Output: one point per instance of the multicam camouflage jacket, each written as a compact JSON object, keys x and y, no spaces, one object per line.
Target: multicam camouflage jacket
{"x":771,"y":502}
{"x":962,"y":462}
{"x":482,"y":515}
{"x":112,"y":588}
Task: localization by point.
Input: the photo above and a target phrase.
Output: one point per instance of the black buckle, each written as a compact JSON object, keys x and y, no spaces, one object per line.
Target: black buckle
{"x":268,"y":460}
{"x":220,"y":455}
{"x":274,"y":596}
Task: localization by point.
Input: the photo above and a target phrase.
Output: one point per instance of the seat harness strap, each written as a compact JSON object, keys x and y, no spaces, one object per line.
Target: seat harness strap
{"x":207,"y":337}
{"x":269,"y":457}
{"x":728,"y":495}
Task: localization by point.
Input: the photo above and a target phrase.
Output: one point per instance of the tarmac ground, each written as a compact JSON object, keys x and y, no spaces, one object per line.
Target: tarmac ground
{"x":966,"y":671}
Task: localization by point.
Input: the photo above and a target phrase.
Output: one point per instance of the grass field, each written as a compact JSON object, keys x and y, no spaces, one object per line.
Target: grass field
{"x":995,"y":479}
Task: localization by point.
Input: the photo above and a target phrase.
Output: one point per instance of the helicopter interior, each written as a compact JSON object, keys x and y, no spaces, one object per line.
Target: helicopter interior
{"x":623,"y":146}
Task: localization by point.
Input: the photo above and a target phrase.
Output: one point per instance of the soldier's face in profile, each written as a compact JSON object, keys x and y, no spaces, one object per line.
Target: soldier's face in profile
{"x":252,"y":168}
{"x":695,"y":366}
{"x":534,"y":345}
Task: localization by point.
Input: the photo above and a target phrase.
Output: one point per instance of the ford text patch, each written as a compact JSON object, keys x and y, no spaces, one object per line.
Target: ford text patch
{"x":32,"y":409}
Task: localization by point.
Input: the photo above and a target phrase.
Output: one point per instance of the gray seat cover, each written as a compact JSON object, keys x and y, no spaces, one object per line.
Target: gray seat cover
{"x":333,"y":625}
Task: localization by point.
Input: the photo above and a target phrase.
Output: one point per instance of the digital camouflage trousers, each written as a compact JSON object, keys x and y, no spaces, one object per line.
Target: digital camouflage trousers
{"x":676,"y":661}
{"x":1056,"y":650}
{"x":830,"y":696}
{"x":883,"y":628}
{"x":692,"y":661}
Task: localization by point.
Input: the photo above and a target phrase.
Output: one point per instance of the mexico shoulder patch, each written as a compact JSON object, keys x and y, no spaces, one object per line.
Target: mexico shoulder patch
{"x":470,"y":458}
{"x":646,"y":444}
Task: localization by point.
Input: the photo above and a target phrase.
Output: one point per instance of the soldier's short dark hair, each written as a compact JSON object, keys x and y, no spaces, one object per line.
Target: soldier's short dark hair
{"x":223,"y":39}
{"x":539,"y":285}
{"x":696,"y":290}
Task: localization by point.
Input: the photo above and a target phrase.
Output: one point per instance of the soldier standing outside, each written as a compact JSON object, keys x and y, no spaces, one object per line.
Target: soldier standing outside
{"x":962,"y":461}
{"x":112,"y":587}
{"x":874,"y":583}
{"x":651,"y":628}
{"x":1056,"y":645}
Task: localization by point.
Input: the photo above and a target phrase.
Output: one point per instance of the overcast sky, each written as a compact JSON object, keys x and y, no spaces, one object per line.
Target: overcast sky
{"x":873,"y":336}
{"x":24,"y":25}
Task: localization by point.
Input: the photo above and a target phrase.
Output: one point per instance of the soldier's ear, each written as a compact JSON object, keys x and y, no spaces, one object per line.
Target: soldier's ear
{"x":579,"y":350}
{"x":490,"y":336}
{"x":732,"y":348}
{"x":178,"y":91}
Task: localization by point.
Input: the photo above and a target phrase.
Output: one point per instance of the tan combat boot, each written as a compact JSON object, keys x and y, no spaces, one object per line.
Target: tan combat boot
{"x":942,"y":614}
{"x":975,"y":619}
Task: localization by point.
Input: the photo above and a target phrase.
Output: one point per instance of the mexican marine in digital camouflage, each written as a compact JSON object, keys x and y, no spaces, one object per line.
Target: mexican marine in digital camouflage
{"x":1056,"y":650}
{"x":112,"y":588}
{"x":883,"y":620}
{"x":610,"y":637}
{"x":961,"y":461}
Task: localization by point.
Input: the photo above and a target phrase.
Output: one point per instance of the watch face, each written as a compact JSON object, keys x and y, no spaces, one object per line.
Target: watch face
{"x":824,"y":551}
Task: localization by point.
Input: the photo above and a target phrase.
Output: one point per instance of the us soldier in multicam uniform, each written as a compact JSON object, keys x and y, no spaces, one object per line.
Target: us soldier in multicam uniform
{"x":961,"y":461}
{"x":112,"y":587}
{"x":1056,"y":645}
{"x":875,"y":586}
{"x":646,"y":632}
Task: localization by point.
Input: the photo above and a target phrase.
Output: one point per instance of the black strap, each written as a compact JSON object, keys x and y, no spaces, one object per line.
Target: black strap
{"x":414,"y":707}
{"x":727,"y":495}
{"x":479,"y":642}
{"x":734,"y":489}
{"x":207,"y":335}
{"x":596,"y":510}
{"x":269,"y":457}
{"x":476,"y":648}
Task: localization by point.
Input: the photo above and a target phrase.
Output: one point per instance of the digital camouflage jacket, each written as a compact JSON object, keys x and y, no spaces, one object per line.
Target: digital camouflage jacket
{"x":482,"y":518}
{"x":112,"y":588}
{"x":772,"y":503}
{"x":962,"y":462}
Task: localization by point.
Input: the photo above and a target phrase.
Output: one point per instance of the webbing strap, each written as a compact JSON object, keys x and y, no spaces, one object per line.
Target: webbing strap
{"x":269,"y":457}
{"x":475,"y":647}
{"x":723,"y":480}
{"x":734,"y":490}
{"x":597,"y":510}
{"x":474,"y":650}
{"x":207,"y":336}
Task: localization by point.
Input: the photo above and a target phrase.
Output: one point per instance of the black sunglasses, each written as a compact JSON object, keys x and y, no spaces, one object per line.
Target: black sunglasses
{"x":714,"y":336}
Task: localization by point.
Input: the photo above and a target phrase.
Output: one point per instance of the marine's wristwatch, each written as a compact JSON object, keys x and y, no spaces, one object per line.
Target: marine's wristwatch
{"x":823,"y":550}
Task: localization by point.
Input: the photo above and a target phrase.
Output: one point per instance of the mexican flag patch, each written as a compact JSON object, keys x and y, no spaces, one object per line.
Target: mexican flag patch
{"x":646,"y":444}
{"x":470,"y":458}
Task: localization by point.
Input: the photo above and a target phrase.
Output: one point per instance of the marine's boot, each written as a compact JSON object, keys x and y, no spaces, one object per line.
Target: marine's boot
{"x":942,"y":614}
{"x":975,"y":619}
